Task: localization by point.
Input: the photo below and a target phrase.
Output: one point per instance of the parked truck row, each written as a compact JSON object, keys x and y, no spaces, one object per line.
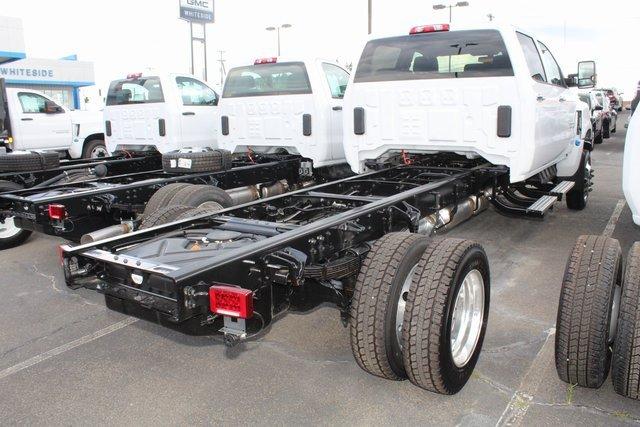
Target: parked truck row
{"x":431,"y":128}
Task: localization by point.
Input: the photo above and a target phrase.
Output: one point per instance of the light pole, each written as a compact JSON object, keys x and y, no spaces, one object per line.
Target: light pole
{"x":277,"y":29}
{"x":370,"y":15}
{"x":450,"y":6}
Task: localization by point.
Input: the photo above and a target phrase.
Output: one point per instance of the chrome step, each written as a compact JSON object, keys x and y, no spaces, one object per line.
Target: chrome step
{"x":542,"y":205}
{"x":563,"y":188}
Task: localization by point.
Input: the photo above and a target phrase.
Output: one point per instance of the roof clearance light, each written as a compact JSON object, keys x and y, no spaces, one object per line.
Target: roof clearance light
{"x":132,"y":76}
{"x":231,"y":301}
{"x":435,"y":28}
{"x":265,"y":61}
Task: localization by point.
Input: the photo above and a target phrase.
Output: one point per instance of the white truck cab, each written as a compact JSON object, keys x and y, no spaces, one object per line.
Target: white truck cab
{"x":281,"y":104}
{"x":161,"y":112}
{"x":493,"y":91}
{"x":36,"y":122}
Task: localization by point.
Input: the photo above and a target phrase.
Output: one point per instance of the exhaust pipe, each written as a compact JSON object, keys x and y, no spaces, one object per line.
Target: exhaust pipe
{"x":449,"y":217}
{"x":279,"y":187}
{"x":243,"y":195}
{"x":105,"y":233}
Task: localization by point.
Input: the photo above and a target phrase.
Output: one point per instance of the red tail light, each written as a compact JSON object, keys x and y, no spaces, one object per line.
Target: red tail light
{"x":265,"y":61}
{"x":57,"y":212}
{"x":435,"y":28}
{"x":230,"y":301}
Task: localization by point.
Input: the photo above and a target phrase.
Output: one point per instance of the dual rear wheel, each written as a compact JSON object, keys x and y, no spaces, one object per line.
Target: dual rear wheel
{"x":420,"y":310}
{"x":598,"y":324}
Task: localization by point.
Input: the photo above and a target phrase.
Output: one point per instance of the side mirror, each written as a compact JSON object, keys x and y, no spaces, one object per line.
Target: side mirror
{"x":571,"y":80}
{"x":586,"y":74}
{"x":598,"y":108}
{"x":51,"y":107}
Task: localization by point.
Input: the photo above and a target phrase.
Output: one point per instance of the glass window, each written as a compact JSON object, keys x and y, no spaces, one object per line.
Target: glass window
{"x":584,"y":97}
{"x":442,"y":55}
{"x":142,"y":90}
{"x":600,"y":99}
{"x":533,"y":57}
{"x":337,"y":79}
{"x":554,"y":75}
{"x":287,"y":78}
{"x":196,"y":93}
{"x":32,"y":103}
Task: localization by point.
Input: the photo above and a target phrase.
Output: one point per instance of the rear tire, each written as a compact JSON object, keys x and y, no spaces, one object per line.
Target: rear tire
{"x":583,"y":324}
{"x":10,"y":235}
{"x":383,"y":280}
{"x":578,"y":196}
{"x":606,"y":131}
{"x":625,"y":365}
{"x":163,"y":215}
{"x":598,"y":138}
{"x":162,"y":197}
{"x":94,"y":149}
{"x":446,"y":316}
{"x":196,"y":195}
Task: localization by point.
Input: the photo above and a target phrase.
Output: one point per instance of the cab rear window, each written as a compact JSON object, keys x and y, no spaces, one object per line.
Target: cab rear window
{"x":287,"y":78}
{"x":143,"y":90}
{"x":441,"y":55}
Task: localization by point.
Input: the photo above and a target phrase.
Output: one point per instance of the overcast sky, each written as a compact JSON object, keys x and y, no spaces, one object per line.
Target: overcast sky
{"x":121,"y":36}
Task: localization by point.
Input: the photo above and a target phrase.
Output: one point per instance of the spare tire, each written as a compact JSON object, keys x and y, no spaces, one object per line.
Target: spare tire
{"x":208,"y":208}
{"x":193,"y":161}
{"x":163,"y":215}
{"x":162,"y":197}
{"x":27,"y":161}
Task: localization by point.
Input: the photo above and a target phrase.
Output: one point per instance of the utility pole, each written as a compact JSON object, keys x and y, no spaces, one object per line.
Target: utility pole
{"x":370,"y":15}
{"x":223,"y":71}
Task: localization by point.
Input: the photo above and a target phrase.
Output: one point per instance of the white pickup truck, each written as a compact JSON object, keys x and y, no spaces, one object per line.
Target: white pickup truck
{"x":161,"y":112}
{"x":285,"y":104}
{"x":33,"y":121}
{"x":494,"y":92}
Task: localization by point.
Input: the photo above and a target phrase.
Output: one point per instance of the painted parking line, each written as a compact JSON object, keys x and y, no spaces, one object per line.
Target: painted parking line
{"x":521,"y":400}
{"x":66,"y":347}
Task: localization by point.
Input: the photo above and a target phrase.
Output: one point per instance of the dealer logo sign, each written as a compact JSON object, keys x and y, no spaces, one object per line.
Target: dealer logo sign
{"x":197,"y":10}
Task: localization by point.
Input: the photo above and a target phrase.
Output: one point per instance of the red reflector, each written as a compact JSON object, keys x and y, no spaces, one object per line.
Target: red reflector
{"x":265,"y":61}
{"x":230,"y":301}
{"x":57,"y":212}
{"x":134,"y":76}
{"x":435,"y":28}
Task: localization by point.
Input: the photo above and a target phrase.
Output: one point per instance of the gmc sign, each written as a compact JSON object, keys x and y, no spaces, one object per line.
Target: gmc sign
{"x":197,"y":10}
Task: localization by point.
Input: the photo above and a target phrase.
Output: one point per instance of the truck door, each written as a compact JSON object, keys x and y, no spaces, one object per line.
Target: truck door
{"x":337,"y":80}
{"x":39,"y":127}
{"x":198,"y":113}
{"x":561,"y":103}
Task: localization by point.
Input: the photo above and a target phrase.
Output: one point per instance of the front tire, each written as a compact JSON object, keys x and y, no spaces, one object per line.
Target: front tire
{"x":446,"y":315}
{"x":578,"y":197}
{"x":583,"y":326}
{"x":95,"y":149}
{"x":10,"y":235}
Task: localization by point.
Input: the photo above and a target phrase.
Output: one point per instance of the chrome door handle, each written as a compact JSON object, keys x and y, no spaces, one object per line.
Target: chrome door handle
{"x":337,"y":108}
{"x":26,"y":119}
{"x":188,"y":113}
{"x":562,"y":99}
{"x":540,"y":98}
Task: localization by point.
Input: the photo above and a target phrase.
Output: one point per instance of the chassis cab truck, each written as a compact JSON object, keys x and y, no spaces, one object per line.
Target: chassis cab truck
{"x":281,"y":105}
{"x":437,"y":124}
{"x":495,"y":92}
{"x":164,"y":113}
{"x":33,"y":121}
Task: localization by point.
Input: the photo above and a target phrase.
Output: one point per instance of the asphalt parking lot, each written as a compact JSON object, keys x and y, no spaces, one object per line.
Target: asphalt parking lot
{"x":66,"y":359}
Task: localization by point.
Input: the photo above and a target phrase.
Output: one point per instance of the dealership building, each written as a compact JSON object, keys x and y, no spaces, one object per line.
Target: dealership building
{"x":61,"y":79}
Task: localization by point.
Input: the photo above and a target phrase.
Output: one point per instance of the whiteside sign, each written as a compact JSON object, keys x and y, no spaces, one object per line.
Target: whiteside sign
{"x":197,"y":10}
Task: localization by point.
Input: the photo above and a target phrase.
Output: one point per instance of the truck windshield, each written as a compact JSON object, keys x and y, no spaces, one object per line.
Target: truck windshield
{"x":442,"y":55}
{"x":143,"y":90}
{"x":288,"y":78}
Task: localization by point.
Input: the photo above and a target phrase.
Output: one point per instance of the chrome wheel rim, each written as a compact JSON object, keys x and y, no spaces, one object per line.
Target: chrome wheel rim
{"x":99,"y":152}
{"x":468,"y":316}
{"x":402,"y":304}
{"x":8,"y":229}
